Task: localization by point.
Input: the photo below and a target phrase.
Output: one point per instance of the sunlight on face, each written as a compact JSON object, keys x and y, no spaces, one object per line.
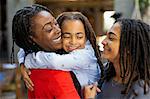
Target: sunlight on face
{"x":111,"y":43}
{"x":73,"y":35}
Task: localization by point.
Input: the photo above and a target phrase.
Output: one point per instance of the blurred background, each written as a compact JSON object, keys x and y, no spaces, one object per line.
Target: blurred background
{"x":101,"y":14}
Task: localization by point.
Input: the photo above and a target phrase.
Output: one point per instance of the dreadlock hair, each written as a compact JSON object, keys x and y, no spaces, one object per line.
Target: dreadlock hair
{"x":22,"y":27}
{"x":90,"y":34}
{"x":134,"y":52}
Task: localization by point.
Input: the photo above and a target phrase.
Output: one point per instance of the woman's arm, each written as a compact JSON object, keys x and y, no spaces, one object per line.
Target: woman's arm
{"x":24,"y":71}
{"x":25,"y":74}
{"x":78,"y":59}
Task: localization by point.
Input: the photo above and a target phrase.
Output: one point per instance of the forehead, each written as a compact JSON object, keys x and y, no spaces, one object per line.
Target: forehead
{"x":116,"y":29}
{"x":72,"y":25}
{"x":43,"y":17}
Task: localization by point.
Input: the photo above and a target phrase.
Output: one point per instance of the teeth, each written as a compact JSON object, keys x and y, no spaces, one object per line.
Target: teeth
{"x":101,"y":47}
{"x":58,"y":39}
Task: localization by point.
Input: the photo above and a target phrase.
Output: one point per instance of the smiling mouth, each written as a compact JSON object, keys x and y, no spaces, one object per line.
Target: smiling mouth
{"x":57,"y":39}
{"x":106,"y":49}
{"x":72,"y":48}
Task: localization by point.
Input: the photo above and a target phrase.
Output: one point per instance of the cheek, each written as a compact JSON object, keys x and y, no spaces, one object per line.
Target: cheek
{"x":115,"y":51}
{"x":82,"y":43}
{"x":65,"y":44}
{"x":111,"y":51}
{"x":49,"y":37}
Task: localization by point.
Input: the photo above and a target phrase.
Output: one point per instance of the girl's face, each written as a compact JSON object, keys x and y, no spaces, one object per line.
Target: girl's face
{"x":111,"y":43}
{"x":73,"y":35}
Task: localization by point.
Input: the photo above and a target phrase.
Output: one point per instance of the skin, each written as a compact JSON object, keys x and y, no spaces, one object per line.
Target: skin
{"x":73,"y":38}
{"x":111,"y":48}
{"x":111,"y":52}
{"x":46,"y":34}
{"x":73,"y":35}
{"x":111,"y":44}
{"x":90,"y":91}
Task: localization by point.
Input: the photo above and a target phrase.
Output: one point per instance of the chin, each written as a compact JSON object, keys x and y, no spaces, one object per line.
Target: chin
{"x":67,"y":50}
{"x":58,"y":47}
{"x":104,"y":56}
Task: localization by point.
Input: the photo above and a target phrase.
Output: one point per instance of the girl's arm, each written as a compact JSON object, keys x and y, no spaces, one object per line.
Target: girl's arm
{"x":78,"y":59}
{"x":90,"y":91}
{"x":24,"y":71}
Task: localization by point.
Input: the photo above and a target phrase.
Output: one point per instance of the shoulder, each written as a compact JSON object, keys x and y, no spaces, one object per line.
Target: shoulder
{"x":138,"y":90}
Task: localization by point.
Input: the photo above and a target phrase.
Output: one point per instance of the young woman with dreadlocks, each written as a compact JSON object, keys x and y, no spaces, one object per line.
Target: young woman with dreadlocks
{"x":35,"y":29}
{"x":127,"y":48}
{"x":77,"y":33}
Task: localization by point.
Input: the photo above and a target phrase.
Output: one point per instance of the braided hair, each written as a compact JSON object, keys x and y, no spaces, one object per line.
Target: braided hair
{"x":134,"y":52}
{"x":22,"y":27}
{"x":90,"y":34}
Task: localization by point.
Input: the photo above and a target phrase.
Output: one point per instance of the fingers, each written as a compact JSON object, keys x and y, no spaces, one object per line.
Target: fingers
{"x":95,"y":86}
{"x":25,"y":73}
{"x":90,"y":91}
{"x":28,"y":83}
{"x":28,"y":72}
{"x":98,"y":90}
{"x":89,"y":87}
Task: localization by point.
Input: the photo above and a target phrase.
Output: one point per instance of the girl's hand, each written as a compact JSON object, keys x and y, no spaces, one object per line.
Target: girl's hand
{"x":90,"y":91}
{"x":25,"y":74}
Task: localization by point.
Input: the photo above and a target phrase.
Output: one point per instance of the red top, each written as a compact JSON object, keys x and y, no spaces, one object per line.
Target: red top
{"x":52,"y":84}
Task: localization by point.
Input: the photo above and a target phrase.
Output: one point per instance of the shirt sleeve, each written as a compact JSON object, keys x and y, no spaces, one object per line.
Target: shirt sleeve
{"x":21,"y":56}
{"x":78,"y":59}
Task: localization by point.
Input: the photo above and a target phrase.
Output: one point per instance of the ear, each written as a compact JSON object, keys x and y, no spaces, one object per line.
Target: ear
{"x":31,"y":38}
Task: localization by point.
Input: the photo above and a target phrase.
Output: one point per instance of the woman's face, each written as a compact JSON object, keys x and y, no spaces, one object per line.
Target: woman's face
{"x":73,"y":35}
{"x":111,"y":43}
{"x":47,"y":33}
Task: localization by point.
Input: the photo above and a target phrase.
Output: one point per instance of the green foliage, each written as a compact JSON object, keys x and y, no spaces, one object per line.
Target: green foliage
{"x":144,"y":5}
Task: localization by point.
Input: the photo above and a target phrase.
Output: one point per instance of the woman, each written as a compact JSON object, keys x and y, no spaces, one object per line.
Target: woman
{"x":127,"y":48}
{"x":35,"y":29}
{"x":77,"y":33}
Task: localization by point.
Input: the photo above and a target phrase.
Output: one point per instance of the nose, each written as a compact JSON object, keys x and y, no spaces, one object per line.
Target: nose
{"x":73,"y":41}
{"x":104,"y":42}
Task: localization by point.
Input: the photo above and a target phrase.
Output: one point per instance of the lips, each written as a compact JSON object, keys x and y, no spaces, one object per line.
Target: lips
{"x":106,"y":50}
{"x":72,"y":48}
{"x":58,"y":39}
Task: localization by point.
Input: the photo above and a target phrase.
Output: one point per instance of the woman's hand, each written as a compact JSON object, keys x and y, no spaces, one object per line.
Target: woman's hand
{"x":90,"y":91}
{"x":25,"y":73}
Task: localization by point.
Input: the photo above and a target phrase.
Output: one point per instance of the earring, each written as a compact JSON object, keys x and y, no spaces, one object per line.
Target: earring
{"x":128,"y":52}
{"x":33,"y":43}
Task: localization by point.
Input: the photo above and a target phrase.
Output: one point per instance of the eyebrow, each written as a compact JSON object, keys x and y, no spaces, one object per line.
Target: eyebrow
{"x":46,"y":24}
{"x":70,"y":33}
{"x":80,"y":33}
{"x":112,"y":33}
{"x":65,"y":33}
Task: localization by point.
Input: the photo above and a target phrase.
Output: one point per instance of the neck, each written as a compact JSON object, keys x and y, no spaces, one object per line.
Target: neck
{"x":117,"y":70}
{"x":117,"y":78}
